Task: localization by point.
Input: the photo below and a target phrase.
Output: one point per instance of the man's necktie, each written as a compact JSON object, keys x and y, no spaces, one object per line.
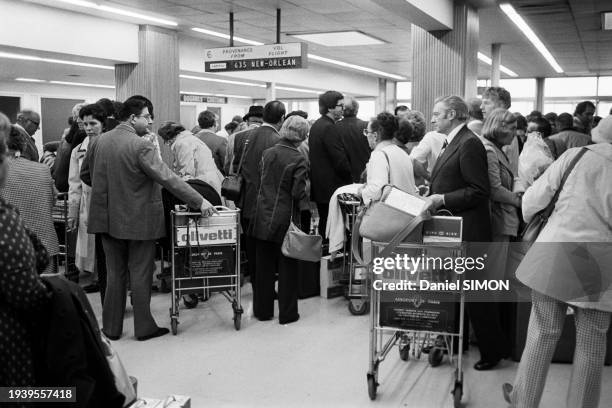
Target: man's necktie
{"x":443,"y":147}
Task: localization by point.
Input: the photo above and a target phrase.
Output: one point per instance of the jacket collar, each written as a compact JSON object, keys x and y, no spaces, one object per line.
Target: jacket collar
{"x":501,"y":156}
{"x":126,"y":127}
{"x":288,"y":144}
{"x":450,"y":150}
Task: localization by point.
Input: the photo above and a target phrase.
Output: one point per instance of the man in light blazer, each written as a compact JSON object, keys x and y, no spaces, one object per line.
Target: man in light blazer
{"x":460,"y":184}
{"x":126,"y":208}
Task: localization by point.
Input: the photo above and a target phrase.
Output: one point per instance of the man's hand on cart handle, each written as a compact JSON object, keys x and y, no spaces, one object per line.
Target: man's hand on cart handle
{"x":434,"y":202}
{"x":207,"y":208}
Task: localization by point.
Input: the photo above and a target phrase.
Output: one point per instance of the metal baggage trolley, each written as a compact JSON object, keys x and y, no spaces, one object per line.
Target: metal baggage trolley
{"x":205,"y":258}
{"x":416,"y":319}
{"x":358,"y":296}
{"x":59,"y":214}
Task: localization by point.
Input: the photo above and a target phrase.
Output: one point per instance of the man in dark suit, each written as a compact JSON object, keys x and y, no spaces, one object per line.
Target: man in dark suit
{"x":28,"y":122}
{"x":460,"y":184}
{"x":354,"y":141}
{"x":126,"y":208}
{"x":329,"y":165}
{"x":250,"y":147}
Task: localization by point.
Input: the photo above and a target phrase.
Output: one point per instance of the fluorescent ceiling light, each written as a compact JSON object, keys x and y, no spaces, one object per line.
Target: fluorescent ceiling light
{"x":211,"y":94}
{"x":224,"y":81}
{"x":52,"y":60}
{"x":311,"y":56}
{"x":339,"y":38}
{"x":226,"y":36}
{"x":122,"y":12}
{"x":28,"y":80}
{"x":503,"y":69}
{"x":357,"y":67}
{"x":287,"y":88}
{"x":531,"y":36}
{"x":82,"y":84}
{"x":65,"y":83}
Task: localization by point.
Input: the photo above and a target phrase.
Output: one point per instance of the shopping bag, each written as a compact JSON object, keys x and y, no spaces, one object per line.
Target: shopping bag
{"x":299,"y":245}
{"x":122,"y":379}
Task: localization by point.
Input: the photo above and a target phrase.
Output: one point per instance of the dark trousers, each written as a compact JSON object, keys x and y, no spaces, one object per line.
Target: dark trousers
{"x":492,"y":342}
{"x":323,"y":209}
{"x":137,"y":257}
{"x":101,"y":266}
{"x":271,"y":261}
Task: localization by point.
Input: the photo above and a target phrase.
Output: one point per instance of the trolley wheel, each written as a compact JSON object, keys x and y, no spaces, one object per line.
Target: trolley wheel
{"x":174,"y":326}
{"x":457,"y":394}
{"x":358,"y":308}
{"x":404,"y":352}
{"x":372,"y":385}
{"x":190,"y":301}
{"x":436,"y":354}
{"x":237,"y":320}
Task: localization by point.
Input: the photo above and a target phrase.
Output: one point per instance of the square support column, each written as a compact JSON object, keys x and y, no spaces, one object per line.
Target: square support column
{"x":445,"y":62}
{"x":156,"y":76}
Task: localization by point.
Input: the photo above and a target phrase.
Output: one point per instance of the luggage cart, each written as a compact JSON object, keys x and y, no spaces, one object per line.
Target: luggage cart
{"x":417,"y":320}
{"x":59,"y":214}
{"x":357,"y":294}
{"x":205,"y":258}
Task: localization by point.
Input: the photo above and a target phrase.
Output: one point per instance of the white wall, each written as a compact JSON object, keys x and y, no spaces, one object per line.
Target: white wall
{"x":228,"y":111}
{"x":37,"y":27}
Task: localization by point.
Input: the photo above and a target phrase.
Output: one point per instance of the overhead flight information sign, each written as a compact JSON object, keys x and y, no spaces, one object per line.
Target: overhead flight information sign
{"x":256,"y":57}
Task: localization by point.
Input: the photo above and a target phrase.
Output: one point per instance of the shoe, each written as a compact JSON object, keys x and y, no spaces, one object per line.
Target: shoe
{"x":485,"y":365}
{"x":264,"y":319}
{"x":287,"y":321}
{"x":91,"y":288}
{"x":507,"y":390}
{"x":113,"y":338}
{"x":160,"y":332}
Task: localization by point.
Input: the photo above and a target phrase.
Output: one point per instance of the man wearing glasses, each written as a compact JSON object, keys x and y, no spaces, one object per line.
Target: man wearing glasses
{"x":28,"y":122}
{"x":329,"y":165}
{"x":126,"y":175}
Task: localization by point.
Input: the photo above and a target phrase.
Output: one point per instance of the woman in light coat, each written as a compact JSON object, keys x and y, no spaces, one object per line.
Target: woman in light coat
{"x":192,"y":158}
{"x":570,"y":263}
{"x":93,"y":117}
{"x":389,"y":162}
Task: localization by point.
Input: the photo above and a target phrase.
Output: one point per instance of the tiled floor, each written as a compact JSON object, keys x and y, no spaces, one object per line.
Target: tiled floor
{"x":319,"y":361}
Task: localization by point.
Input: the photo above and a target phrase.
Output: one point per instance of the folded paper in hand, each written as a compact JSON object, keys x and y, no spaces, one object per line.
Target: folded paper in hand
{"x":405,"y":202}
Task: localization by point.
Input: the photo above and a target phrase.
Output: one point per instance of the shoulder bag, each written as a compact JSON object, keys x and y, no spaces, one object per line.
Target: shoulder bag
{"x":381,"y":222}
{"x":299,"y":245}
{"x":231,"y":187}
{"x":534,"y":227}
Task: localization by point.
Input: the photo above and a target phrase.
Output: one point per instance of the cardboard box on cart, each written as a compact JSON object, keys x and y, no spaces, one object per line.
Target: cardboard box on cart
{"x":330,"y":275}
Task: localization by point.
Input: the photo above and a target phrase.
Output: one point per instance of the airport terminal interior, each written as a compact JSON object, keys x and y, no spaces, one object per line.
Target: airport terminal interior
{"x":228,"y":56}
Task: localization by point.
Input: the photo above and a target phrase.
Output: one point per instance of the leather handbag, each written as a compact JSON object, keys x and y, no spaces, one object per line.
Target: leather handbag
{"x":231,"y":187}
{"x":380,"y":221}
{"x":299,"y":245}
{"x":533,"y":228}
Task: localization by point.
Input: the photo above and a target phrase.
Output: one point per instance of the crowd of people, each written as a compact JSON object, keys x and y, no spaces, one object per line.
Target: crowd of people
{"x":494,"y":168}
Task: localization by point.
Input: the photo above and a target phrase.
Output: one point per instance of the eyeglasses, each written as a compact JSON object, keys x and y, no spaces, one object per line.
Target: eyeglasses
{"x":147,"y":116}
{"x":34,"y":122}
{"x":340,"y":105}
{"x":366,"y":133}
